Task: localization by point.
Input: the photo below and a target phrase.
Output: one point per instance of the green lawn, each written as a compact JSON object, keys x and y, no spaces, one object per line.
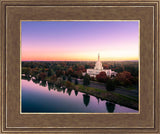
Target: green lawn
{"x":108,"y":95}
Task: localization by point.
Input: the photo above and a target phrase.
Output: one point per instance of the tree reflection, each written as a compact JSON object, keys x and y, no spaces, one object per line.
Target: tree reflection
{"x":36,"y":81}
{"x":26,"y":78}
{"x":43,"y":83}
{"x":86,"y":99}
{"x":64,"y":90}
{"x":50,"y":86}
{"x":69,"y":91}
{"x":110,"y":107}
{"x":76,"y":92}
{"x":97,"y":99}
{"x":59,"y":89}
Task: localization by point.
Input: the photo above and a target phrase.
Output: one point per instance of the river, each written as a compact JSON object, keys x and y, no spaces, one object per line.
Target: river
{"x":45,"y":98}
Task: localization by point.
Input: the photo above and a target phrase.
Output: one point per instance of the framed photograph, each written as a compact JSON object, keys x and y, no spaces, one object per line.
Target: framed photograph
{"x":62,"y":57}
{"x":79,"y":66}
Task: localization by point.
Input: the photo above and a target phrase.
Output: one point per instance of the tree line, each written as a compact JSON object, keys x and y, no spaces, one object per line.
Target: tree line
{"x":51,"y":71}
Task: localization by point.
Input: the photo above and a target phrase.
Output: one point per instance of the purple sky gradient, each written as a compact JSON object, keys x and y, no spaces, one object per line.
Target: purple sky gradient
{"x":80,"y":40}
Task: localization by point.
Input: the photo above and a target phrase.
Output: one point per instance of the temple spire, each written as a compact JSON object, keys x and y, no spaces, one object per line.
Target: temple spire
{"x":98,"y":57}
{"x":98,"y":65}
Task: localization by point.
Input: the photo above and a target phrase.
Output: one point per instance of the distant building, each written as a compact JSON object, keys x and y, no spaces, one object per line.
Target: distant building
{"x":99,"y":68}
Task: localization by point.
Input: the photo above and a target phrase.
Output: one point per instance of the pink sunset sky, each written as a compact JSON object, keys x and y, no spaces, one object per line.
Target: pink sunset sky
{"x":79,"y":40}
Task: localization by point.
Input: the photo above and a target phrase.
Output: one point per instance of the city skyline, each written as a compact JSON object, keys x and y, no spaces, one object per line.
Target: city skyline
{"x":79,"y":40}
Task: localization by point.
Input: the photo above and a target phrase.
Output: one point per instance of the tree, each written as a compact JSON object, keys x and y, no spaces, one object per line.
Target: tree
{"x":26,"y":71}
{"x":53,"y":78}
{"x":110,"y":84}
{"x":105,"y":66}
{"x":101,"y":77}
{"x":42,"y":76}
{"x":68,"y":84}
{"x":50,"y":73}
{"x":70,"y":71}
{"x":59,"y":82}
{"x":76,"y":82}
{"x":64,"y":77}
{"x":69,"y":78}
{"x":43,"y":69}
{"x":35,"y":72}
{"x":125,"y":78}
{"x":59,"y":73}
{"x":86,"y":80}
{"x":92,"y":78}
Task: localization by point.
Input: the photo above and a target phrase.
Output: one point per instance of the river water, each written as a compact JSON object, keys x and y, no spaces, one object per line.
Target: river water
{"x":45,"y":98}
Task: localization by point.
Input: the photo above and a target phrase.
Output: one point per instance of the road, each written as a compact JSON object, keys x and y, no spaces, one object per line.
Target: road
{"x":128,"y":93}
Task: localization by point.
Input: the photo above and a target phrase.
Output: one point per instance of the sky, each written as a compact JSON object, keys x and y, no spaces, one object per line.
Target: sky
{"x":79,"y":40}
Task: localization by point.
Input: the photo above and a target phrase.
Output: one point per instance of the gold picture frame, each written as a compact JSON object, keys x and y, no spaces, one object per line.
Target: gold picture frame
{"x":13,"y":11}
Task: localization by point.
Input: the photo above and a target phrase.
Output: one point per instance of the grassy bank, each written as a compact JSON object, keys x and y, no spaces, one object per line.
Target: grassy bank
{"x":108,"y":95}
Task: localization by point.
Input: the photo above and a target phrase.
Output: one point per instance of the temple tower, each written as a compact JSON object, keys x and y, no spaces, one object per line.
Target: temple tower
{"x":98,"y":65}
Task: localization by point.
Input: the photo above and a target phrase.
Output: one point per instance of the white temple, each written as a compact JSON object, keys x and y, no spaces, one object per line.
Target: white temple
{"x":99,"y":68}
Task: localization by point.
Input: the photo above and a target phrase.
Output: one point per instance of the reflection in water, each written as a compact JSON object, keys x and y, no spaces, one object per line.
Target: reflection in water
{"x":76,"y":92}
{"x":50,"y":86}
{"x":36,"y":81}
{"x":32,"y":99}
{"x":43,"y":83}
{"x":110,"y":107}
{"x":98,"y":99}
{"x":69,"y":91}
{"x":59,"y":89}
{"x":26,"y":78}
{"x":64,"y":89}
{"x":86,"y":99}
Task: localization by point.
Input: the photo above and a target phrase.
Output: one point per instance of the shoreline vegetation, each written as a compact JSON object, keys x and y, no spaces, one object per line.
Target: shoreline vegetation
{"x":70,"y":75}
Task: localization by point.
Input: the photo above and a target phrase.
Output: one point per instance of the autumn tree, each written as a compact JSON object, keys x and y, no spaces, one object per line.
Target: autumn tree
{"x":70,"y":71}
{"x":92,"y":78}
{"x":101,"y":77}
{"x":42,"y":76}
{"x":34,"y":72}
{"x":68,"y":84}
{"x":124,"y":78}
{"x":53,"y":78}
{"x":59,"y":82}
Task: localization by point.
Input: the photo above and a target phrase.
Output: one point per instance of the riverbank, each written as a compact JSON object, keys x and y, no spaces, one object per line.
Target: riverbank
{"x":108,"y":95}
{"x":111,"y":96}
